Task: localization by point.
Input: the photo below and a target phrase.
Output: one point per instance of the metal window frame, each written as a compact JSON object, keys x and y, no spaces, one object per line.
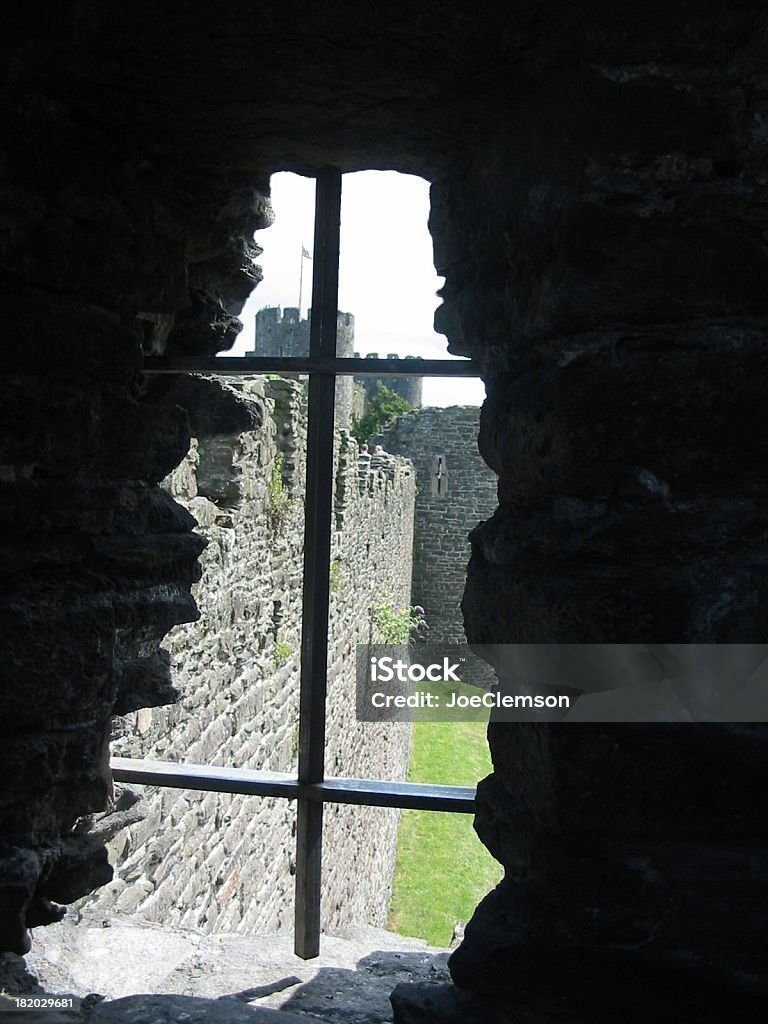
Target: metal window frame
{"x":310,"y":787}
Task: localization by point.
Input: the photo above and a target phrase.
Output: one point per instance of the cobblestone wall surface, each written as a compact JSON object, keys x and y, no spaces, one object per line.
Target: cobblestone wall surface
{"x":456,"y":491}
{"x":226,"y":863}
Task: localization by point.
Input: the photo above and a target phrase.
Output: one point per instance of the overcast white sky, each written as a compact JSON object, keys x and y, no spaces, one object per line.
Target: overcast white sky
{"x":386,"y":276}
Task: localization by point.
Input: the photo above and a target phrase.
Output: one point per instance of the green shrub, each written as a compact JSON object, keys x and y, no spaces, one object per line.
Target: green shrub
{"x":396,"y":625}
{"x":383,"y":409}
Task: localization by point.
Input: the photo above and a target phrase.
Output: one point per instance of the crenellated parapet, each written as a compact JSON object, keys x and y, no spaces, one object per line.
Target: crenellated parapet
{"x":285,"y":332}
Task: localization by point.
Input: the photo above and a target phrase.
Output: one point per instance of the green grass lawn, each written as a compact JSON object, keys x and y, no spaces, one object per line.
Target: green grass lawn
{"x":442,"y":869}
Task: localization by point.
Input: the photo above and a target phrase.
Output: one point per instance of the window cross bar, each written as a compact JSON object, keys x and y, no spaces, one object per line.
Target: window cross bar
{"x":423,"y":796}
{"x":341,"y":366}
{"x":317,"y":563}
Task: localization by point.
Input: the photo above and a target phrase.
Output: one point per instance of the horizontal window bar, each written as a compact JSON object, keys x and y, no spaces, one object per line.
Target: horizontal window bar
{"x":365,"y":792}
{"x":412,"y":795}
{"x":310,"y":364}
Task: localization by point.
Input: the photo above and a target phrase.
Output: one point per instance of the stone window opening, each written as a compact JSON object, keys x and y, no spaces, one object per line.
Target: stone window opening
{"x":310,"y":786}
{"x":439,"y":477}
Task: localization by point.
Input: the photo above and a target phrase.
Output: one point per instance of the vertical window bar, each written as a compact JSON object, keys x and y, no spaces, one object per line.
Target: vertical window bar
{"x":317,"y":559}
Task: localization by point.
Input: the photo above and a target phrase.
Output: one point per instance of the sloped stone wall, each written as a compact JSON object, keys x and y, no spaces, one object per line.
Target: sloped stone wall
{"x":225,"y":863}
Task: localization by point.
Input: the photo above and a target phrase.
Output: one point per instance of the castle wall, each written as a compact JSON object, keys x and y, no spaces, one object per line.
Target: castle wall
{"x":453,"y":497}
{"x":280,"y":334}
{"x":225,"y":863}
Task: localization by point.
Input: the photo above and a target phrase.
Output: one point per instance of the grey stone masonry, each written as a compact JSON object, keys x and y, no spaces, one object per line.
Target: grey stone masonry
{"x":285,"y":334}
{"x":456,"y":491}
{"x":225,"y":863}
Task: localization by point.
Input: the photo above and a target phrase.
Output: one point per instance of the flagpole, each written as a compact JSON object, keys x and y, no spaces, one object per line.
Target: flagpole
{"x":301,"y":280}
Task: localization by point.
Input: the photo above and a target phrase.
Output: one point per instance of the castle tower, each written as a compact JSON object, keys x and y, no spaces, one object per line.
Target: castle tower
{"x":280,"y":335}
{"x":345,"y":386}
{"x":287,"y":335}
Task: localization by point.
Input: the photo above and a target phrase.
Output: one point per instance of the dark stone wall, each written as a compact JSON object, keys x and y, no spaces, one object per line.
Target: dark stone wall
{"x":599,"y":179}
{"x":622,"y":327}
{"x":106,"y":252}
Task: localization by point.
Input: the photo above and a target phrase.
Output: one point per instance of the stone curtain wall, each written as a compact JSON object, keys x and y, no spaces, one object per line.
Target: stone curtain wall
{"x":444,"y":520}
{"x":372,"y":554}
{"x":225,"y":863}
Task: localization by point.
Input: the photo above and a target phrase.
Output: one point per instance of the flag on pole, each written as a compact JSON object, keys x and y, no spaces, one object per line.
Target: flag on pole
{"x":304,"y":256}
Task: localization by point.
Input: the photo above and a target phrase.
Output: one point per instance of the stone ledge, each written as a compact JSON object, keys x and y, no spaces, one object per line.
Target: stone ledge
{"x":146,"y":972}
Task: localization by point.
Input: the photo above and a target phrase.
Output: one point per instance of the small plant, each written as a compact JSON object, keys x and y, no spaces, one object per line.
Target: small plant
{"x":282,"y":653}
{"x":334,"y":577}
{"x":279,"y":500}
{"x":398,"y":625}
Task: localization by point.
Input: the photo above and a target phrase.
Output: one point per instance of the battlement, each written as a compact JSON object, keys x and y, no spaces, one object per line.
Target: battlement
{"x":409,"y":388}
{"x":389,"y":355}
